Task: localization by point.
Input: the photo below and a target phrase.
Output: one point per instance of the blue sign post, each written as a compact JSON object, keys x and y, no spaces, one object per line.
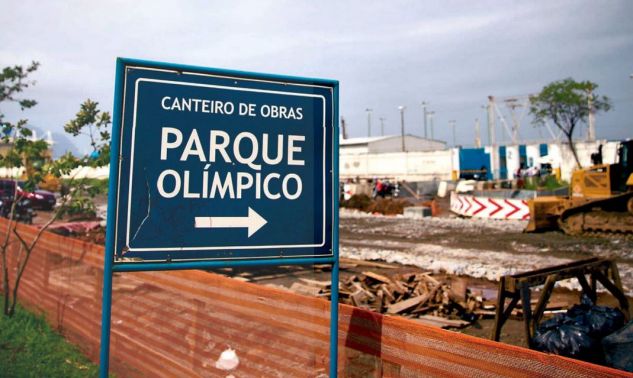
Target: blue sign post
{"x":216,"y":168}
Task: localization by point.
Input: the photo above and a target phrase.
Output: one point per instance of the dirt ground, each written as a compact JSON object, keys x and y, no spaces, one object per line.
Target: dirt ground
{"x":473,"y":247}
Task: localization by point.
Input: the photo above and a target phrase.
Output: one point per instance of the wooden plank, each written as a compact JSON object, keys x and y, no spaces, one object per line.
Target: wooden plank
{"x":445,"y":323}
{"x":406,"y":304}
{"x":411,"y":302}
{"x":388,"y":293}
{"x":420,"y":289}
{"x":305,"y":289}
{"x":398,"y":287}
{"x":422,"y":309}
{"x":527,"y":312}
{"x":358,"y":297}
{"x":485,"y":313}
{"x":500,"y":312}
{"x":315,"y":283}
{"x":344,"y":260}
{"x":428,"y":277}
{"x":615,"y":291}
{"x":586,"y":288}
{"x":350,"y":279}
{"x":379,"y":301}
{"x":367,"y":293}
{"x":428,"y":322}
{"x":345,"y":266}
{"x":344,"y":293}
{"x":553,"y":306}
{"x":457,"y":291}
{"x":543,"y":299}
{"x":377,"y":277}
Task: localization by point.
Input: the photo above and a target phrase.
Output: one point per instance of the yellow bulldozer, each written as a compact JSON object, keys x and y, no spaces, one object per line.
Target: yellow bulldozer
{"x":600,"y":200}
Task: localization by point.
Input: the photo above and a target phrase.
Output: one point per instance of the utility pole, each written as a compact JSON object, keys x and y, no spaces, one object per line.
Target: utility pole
{"x":382,"y":126}
{"x":477,"y":134}
{"x":591,"y":133}
{"x":402,"y":108}
{"x":451,"y":124}
{"x":343,"y":129}
{"x":424,"y":104}
{"x":491,"y":120}
{"x":513,"y":104}
{"x":368,"y":110}
{"x":430,"y":115}
{"x":491,"y":137}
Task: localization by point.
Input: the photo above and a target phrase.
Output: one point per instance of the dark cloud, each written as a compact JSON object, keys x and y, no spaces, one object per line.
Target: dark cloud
{"x":451,"y":54}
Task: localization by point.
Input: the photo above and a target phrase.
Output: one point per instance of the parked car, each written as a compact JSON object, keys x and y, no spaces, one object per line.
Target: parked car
{"x":40,"y":199}
{"x":23,"y":211}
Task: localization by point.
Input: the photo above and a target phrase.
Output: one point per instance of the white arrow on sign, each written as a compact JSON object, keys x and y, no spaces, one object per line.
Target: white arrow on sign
{"x":253,"y":222}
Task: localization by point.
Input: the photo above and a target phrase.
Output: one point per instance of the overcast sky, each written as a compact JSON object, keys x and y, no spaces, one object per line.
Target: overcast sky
{"x":452,"y":54}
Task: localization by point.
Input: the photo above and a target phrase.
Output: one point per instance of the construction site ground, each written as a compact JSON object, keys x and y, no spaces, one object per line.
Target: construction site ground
{"x":479,"y":248}
{"x":513,"y":331}
{"x":476,"y":251}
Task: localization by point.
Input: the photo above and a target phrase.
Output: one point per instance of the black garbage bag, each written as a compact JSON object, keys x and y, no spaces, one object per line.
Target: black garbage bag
{"x":568,"y":337}
{"x":578,"y":332}
{"x":618,"y":348}
{"x":601,"y":320}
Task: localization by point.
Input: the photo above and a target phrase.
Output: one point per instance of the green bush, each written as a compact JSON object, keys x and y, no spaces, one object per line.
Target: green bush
{"x":547,"y":183}
{"x":96,"y":186}
{"x":551,"y":183}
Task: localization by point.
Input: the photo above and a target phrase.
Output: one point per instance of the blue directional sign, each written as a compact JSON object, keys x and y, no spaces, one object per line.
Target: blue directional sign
{"x":218,"y":164}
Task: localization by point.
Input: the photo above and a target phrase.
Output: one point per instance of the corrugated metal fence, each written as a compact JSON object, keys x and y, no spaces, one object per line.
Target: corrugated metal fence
{"x":176,"y":324}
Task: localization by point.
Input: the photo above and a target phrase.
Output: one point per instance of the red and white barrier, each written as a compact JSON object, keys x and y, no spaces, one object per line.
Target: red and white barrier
{"x":486,"y":207}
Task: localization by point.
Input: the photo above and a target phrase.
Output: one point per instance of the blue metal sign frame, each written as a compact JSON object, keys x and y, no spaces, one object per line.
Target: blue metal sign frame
{"x":119,"y":257}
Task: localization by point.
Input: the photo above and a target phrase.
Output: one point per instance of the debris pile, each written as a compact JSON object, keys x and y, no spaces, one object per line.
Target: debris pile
{"x":90,"y":231}
{"x":385,"y":206}
{"x":436,"y":300}
{"x":418,"y":296}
